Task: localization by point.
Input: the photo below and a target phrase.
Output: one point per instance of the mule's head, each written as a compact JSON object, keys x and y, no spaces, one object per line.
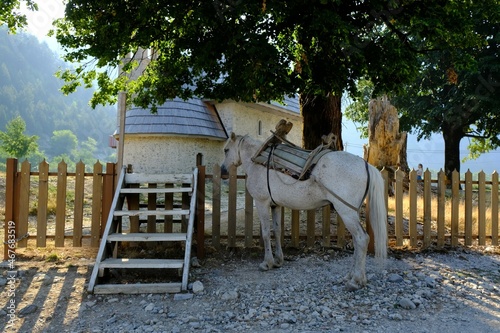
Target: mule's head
{"x":231,"y":153}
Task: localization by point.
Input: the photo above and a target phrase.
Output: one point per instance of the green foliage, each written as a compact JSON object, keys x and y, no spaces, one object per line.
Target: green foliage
{"x":63,"y":142}
{"x":15,"y":142}
{"x":10,"y":13}
{"x":29,"y":89}
{"x":459,"y":98}
{"x":251,"y":50}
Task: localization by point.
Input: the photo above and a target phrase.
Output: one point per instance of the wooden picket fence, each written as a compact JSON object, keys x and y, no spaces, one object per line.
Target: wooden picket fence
{"x":225,"y":213}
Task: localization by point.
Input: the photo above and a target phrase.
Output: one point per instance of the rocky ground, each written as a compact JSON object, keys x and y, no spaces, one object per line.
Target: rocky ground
{"x":433,"y":291}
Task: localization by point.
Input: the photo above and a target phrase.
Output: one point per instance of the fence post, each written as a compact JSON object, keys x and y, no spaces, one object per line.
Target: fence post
{"x":10,"y":206}
{"x":24,"y":204}
{"x":200,"y":212}
{"x":62,"y":170}
{"x":43,"y":194}
{"x":78,"y":209}
{"x":108,"y":191}
{"x":413,"y":208}
{"x":468,"y":208}
{"x":494,"y":208}
{"x":455,"y":205}
{"x":295,"y":228}
{"x":95,"y":230}
{"x":481,"y":206}
{"x":441,"y":208}
{"x":398,"y":222}
{"x":216,"y":210}
{"x":427,"y":208}
{"x":231,"y":207}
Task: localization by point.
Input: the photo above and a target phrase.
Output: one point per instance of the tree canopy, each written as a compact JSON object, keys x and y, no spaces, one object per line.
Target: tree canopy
{"x":10,"y":13}
{"x":15,"y":142}
{"x":261,"y":51}
{"x":254,"y":51}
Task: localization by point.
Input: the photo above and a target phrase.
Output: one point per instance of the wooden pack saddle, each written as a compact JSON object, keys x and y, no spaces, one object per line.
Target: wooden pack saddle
{"x":281,"y":155}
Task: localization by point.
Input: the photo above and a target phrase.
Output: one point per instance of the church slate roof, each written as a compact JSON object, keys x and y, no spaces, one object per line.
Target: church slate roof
{"x":192,"y":117}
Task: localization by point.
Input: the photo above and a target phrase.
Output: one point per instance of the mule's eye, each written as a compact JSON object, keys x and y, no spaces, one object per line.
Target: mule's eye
{"x":225,"y":151}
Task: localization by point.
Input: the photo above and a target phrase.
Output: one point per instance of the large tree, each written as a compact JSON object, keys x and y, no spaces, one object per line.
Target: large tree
{"x":256,"y":51}
{"x":459,"y":101}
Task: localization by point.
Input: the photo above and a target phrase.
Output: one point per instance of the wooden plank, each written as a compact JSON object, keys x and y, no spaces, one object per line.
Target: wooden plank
{"x":103,"y":246}
{"x":138,"y":288}
{"x":155,"y":190}
{"x":24,"y":205}
{"x":295,"y":228}
{"x":43,"y":195}
{"x":455,"y":206}
{"x":108,"y":191}
{"x":78,"y":209}
{"x":468,"y":208}
{"x":10,"y":203}
{"x":158,"y":212}
{"x":189,"y":239}
{"x":151,"y":224}
{"x":284,"y":163}
{"x":249,"y":219}
{"x":311,"y":221}
{"x":326,"y":211}
{"x":398,"y":194}
{"x":216,"y":206}
{"x":139,"y":178}
{"x":141,"y":263}
{"x":481,"y":207}
{"x":231,"y":207}
{"x":186,"y":200}
{"x":168,"y":225}
{"x":95,"y":228}
{"x":441,"y":208}
{"x":62,"y":180}
{"x":200,"y":212}
{"x":427,"y":209}
{"x":494,"y":209}
{"x":146,"y":237}
{"x":413,"y":208}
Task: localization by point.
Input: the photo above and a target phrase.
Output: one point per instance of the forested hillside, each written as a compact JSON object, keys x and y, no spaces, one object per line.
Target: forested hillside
{"x":29,"y":89}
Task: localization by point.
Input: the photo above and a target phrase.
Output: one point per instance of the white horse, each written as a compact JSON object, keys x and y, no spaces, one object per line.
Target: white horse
{"x":339,"y":178}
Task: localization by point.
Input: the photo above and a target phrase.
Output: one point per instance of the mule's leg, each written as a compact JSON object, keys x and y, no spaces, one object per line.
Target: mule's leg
{"x":357,"y":276}
{"x":263,"y":211}
{"x":276,"y":214}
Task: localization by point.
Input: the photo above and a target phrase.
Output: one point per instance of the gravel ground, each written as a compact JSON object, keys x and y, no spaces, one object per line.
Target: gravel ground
{"x":447,"y":291}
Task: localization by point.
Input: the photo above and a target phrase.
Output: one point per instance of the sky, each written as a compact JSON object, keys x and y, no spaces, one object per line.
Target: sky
{"x":428,"y":152}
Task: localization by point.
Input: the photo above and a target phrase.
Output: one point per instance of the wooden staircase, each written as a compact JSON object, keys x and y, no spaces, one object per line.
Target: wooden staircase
{"x":128,"y":205}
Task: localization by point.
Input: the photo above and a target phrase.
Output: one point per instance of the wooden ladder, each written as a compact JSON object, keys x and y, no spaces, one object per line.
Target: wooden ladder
{"x":130,"y":188}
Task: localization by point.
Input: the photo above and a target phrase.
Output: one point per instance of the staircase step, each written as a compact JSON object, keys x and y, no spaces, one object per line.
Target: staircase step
{"x":162,"y":212}
{"x":128,"y":190}
{"x":147,"y":237}
{"x":138,"y":288}
{"x":141,"y":263}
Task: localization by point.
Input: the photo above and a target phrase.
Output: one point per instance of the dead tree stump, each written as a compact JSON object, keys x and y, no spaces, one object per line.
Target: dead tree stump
{"x":387,"y":145}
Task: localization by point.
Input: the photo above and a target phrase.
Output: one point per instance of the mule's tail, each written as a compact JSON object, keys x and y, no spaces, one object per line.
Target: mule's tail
{"x":378,"y":212}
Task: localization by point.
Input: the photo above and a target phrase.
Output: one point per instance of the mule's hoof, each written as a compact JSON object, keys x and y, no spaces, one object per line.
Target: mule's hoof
{"x":352,"y":286}
{"x":263,"y":267}
{"x":277,"y":264}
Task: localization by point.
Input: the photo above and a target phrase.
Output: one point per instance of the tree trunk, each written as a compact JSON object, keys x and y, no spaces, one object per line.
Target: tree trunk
{"x":387,"y":145}
{"x":452,"y":135}
{"x":322,"y":115}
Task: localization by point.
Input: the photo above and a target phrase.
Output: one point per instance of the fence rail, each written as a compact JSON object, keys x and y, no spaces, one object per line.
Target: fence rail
{"x":68,"y":209}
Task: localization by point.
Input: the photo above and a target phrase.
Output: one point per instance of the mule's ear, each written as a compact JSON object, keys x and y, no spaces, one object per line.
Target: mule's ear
{"x":233,"y":136}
